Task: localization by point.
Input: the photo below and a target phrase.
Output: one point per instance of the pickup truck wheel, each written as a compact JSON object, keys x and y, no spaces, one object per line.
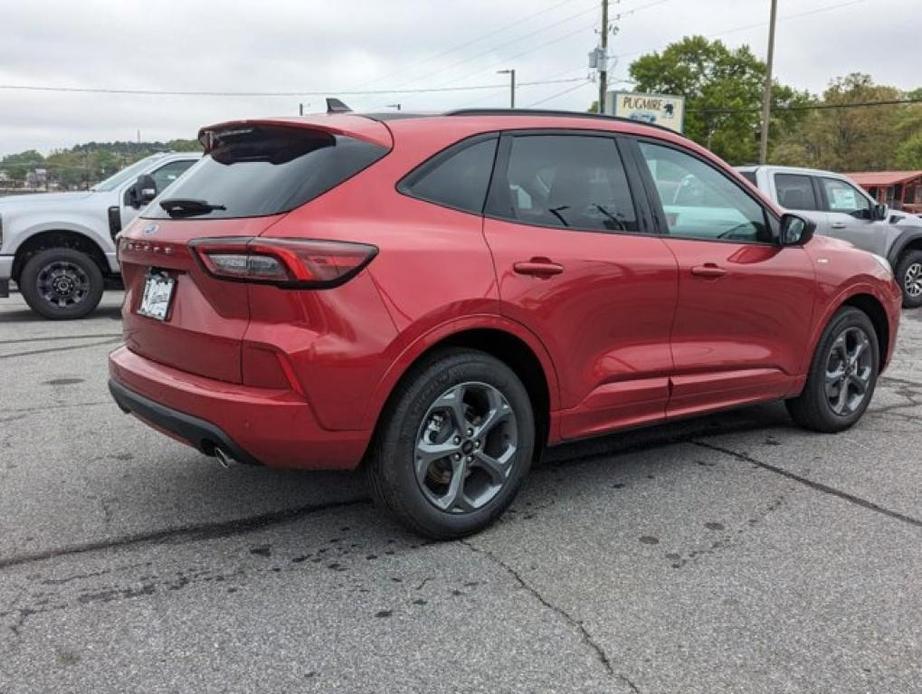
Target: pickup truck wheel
{"x":909,"y":275}
{"x":61,"y":284}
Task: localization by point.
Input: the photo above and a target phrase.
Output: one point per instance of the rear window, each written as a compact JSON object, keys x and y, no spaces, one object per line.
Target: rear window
{"x":749,"y":176}
{"x":259,"y":171}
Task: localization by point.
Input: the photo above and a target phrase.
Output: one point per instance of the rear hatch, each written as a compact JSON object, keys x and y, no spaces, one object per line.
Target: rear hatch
{"x":190,"y":310}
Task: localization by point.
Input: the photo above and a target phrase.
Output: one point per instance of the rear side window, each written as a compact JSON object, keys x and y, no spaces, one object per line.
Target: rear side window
{"x":258,"y":171}
{"x":457,"y":178}
{"x":566,"y":181}
{"x":795,"y":192}
{"x":749,"y":176}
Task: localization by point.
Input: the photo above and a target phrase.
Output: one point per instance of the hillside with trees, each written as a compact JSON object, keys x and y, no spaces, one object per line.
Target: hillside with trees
{"x":81,"y":165}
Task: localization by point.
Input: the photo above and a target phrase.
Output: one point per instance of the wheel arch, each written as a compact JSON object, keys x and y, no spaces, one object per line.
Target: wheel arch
{"x":507,"y":341}
{"x":909,"y":241}
{"x":58,"y":238}
{"x":874,"y":310}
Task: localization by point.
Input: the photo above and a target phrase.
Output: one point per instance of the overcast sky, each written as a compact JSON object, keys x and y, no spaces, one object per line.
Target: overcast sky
{"x":340,"y":47}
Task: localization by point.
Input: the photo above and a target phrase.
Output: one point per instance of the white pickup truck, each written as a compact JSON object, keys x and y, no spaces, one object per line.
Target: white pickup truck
{"x":840,"y":208}
{"x":59,"y":248}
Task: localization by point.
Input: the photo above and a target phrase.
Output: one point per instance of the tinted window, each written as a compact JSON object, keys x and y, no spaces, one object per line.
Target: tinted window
{"x":844,"y":197}
{"x":168,"y":173}
{"x":256,"y":171}
{"x":699,"y":201}
{"x":749,"y":176}
{"x":568,"y":181}
{"x":795,"y":192}
{"x":459,"y":179}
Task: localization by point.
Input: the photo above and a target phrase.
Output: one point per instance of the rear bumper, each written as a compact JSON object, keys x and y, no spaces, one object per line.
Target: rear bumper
{"x":253,"y":425}
{"x":204,"y":435}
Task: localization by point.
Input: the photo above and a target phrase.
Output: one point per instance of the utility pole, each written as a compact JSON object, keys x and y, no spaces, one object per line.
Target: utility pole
{"x":603,"y":57}
{"x":767,"y":89}
{"x":511,"y":73}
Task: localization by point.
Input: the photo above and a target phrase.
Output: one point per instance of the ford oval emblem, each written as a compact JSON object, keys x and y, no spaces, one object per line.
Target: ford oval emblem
{"x":151,"y":229}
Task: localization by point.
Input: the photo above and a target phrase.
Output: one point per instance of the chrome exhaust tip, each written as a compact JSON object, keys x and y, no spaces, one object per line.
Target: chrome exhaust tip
{"x":224,"y":460}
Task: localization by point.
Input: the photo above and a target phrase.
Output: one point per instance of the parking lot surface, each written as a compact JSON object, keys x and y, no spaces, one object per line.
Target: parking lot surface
{"x":731,"y":553}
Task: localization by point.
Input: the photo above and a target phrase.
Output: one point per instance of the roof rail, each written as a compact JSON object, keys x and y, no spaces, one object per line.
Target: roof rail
{"x":543,"y":112}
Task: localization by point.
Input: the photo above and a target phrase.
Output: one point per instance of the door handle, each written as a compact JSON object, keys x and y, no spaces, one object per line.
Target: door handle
{"x":538,"y":267}
{"x":838,"y":225}
{"x":708,"y":270}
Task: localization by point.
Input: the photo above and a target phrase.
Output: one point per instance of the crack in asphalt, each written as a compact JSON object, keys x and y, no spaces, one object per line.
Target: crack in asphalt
{"x":567,"y":617}
{"x":46,"y":408}
{"x":817,"y":486}
{"x":61,"y":349}
{"x":189,"y":533}
{"x":54,"y":338}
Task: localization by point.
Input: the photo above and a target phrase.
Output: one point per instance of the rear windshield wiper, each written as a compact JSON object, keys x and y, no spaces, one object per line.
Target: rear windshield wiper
{"x":188,"y":207}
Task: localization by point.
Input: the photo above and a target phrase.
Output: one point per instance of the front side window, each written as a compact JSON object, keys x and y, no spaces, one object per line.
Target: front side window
{"x":699,"y":201}
{"x":459,"y":179}
{"x":565,"y":181}
{"x":795,"y":192}
{"x":168,"y":173}
{"x":844,"y":197}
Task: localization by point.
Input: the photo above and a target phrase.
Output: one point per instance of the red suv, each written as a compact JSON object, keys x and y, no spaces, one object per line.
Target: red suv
{"x":439,"y":297}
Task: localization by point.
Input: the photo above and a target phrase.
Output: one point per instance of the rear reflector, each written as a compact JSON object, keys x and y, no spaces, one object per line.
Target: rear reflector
{"x":290,"y":263}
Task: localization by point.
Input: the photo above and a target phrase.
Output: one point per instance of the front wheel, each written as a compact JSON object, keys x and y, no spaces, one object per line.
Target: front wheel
{"x":455,"y":445}
{"x":843,"y":374}
{"x":909,"y":275}
{"x":61,"y":283}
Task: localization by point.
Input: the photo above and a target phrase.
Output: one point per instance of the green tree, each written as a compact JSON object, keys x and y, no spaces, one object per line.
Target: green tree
{"x":723,"y":94}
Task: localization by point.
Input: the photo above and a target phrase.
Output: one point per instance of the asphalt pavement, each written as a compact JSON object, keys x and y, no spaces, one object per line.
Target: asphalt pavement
{"x":734,"y":553}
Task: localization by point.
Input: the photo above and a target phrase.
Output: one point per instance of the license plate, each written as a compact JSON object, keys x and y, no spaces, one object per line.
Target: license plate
{"x":158,"y":290}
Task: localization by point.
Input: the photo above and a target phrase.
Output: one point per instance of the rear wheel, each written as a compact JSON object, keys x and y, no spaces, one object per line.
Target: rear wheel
{"x":842,"y":376}
{"x":455,"y":446}
{"x":909,"y":275}
{"x":61,"y":283}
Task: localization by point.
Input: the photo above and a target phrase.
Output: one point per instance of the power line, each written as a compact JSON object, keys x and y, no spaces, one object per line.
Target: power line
{"x":808,"y":107}
{"x":554,"y":96}
{"x":505,"y":45}
{"x":816,"y":10}
{"x":471,"y":42}
{"x":163,"y":92}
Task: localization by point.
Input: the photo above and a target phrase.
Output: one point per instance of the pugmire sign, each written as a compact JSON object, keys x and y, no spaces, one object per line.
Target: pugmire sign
{"x":661,"y":109}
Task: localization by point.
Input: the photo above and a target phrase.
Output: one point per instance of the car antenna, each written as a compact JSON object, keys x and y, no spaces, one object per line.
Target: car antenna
{"x":337,"y":106}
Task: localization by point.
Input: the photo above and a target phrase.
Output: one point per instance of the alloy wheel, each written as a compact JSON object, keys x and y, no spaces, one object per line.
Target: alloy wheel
{"x":62,"y":283}
{"x":466,"y":447}
{"x":848,"y":371}
{"x":912,"y":280}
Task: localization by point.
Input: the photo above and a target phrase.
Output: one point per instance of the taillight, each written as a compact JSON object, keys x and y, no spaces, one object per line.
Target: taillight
{"x":290,"y":263}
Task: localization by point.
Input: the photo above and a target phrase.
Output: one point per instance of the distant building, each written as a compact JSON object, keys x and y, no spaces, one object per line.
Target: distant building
{"x":901,"y":190}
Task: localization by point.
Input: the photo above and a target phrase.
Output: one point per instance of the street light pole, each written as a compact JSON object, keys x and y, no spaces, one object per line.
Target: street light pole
{"x":511,"y":73}
{"x":767,"y":89}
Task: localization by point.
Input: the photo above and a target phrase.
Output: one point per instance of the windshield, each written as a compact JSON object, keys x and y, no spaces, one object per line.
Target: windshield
{"x":126,"y":174}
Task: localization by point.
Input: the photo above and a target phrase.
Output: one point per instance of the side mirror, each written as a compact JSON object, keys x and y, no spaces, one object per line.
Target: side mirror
{"x":879,"y":212}
{"x":146,"y":187}
{"x":796,"y":231}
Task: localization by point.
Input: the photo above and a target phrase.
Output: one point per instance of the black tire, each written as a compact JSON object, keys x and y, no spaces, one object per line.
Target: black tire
{"x":813,"y":408}
{"x":392,"y":463}
{"x":909,"y":275}
{"x":61,"y":284}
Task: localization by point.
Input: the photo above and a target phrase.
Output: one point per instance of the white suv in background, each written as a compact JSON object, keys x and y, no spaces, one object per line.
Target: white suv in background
{"x":841,"y":208}
{"x":59,"y":248}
